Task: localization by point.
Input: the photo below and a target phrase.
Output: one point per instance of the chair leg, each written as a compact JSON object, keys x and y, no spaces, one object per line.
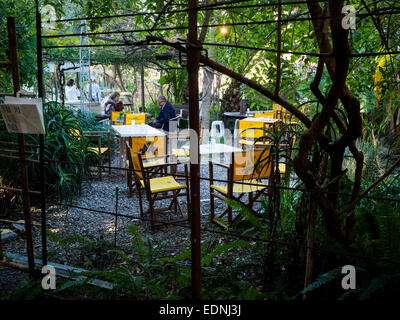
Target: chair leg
{"x":188,"y":204}
{"x":212,"y":206}
{"x":175,"y":201}
{"x":129,"y":182}
{"x":152,"y":215}
{"x":229,"y":215}
{"x":140,"y":204}
{"x":100,"y":170}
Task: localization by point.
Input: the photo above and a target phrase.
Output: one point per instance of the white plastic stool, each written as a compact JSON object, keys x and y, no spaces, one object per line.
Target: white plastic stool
{"x":215,"y":134}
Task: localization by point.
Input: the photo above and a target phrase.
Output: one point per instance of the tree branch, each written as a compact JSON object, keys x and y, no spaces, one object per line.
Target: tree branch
{"x":251,"y":83}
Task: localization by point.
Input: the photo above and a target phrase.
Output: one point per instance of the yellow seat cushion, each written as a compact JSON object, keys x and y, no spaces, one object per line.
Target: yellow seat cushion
{"x":251,"y":142}
{"x":150,"y":163}
{"x":96,"y":149}
{"x":180,"y":152}
{"x":153,"y":162}
{"x":163,"y":184}
{"x":241,"y":188}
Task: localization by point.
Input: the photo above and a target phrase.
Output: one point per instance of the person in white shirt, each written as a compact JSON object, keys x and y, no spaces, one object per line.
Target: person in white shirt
{"x":72,"y":92}
{"x":96,"y":97}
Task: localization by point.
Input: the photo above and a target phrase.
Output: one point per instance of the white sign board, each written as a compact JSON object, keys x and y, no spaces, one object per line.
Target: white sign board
{"x":23,"y":115}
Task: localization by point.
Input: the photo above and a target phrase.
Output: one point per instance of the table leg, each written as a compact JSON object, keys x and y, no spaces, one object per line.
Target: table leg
{"x":121,"y":149}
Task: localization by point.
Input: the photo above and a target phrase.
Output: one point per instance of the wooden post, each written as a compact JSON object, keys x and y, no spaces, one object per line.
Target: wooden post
{"x":12,"y":40}
{"x":41,"y":136}
{"x":116,"y":216}
{"x":193,"y":60}
{"x":1,"y":247}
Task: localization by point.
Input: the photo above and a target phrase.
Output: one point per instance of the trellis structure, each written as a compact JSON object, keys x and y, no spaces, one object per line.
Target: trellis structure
{"x":193,"y":48}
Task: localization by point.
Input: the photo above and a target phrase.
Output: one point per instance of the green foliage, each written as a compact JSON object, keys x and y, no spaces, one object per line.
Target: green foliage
{"x":368,"y":285}
{"x":379,"y":155}
{"x":28,"y":290}
{"x":323,"y":279}
{"x":64,"y":151}
{"x":378,"y":224}
{"x":143,"y":273}
{"x":153,"y":109}
{"x":24,"y":13}
{"x":176,"y":81}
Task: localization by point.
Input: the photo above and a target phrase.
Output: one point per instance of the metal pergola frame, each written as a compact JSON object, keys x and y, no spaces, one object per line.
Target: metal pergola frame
{"x":193,"y":59}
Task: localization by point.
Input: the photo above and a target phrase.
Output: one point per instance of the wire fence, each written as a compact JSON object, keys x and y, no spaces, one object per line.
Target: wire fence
{"x":215,"y":6}
{"x":117,"y":214}
{"x":181,"y":175}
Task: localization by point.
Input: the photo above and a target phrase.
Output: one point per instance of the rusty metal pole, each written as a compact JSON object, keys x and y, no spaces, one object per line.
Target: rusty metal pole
{"x":12,"y":39}
{"x":142,"y":87}
{"x":116,"y":216}
{"x":193,"y":60}
{"x":1,"y":248}
{"x":41,"y":136}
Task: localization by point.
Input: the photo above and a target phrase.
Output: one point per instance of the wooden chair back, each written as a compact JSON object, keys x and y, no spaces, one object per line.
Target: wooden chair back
{"x":278,"y":107}
{"x":267,"y":114}
{"x":135,"y":163}
{"x":138,"y":117}
{"x":117,"y":117}
{"x":254,"y":164}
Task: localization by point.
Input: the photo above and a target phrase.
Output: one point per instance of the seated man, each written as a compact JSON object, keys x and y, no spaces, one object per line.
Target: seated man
{"x":167,"y":113}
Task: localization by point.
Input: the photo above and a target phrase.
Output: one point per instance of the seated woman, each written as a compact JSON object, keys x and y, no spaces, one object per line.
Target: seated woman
{"x":113,"y":104}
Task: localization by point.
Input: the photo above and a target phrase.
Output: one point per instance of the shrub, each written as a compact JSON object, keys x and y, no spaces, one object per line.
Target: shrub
{"x":63,"y":153}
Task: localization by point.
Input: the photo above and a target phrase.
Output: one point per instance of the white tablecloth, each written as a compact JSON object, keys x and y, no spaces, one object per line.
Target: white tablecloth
{"x":134,"y":131}
{"x":215,"y":148}
{"x":140,"y":130}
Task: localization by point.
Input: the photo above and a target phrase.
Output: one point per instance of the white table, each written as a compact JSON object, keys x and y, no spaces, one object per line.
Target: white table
{"x":139,"y":130}
{"x":215,"y":148}
{"x":134,"y":131}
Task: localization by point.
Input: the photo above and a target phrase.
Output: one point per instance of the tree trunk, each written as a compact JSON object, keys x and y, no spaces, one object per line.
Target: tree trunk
{"x":231,"y":97}
{"x":208,"y":78}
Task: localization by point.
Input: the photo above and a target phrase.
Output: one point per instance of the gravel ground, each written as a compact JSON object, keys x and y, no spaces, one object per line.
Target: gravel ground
{"x":10,"y":280}
{"x":100,"y":195}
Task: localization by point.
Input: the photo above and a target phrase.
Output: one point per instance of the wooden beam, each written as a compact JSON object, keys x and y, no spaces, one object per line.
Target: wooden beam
{"x":63,"y":271}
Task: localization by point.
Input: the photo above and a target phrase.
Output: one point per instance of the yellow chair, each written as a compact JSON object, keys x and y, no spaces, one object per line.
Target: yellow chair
{"x":289,"y":154}
{"x":287,"y":118}
{"x":182,"y":135}
{"x":149,"y":146}
{"x":179,"y":137}
{"x":100,"y":150}
{"x":149,"y":162}
{"x":160,"y":188}
{"x":117,"y":117}
{"x":284,"y":115}
{"x":267,"y":114}
{"x":278,"y":107}
{"x":245,"y":173}
{"x":248,"y":130}
{"x":138,"y":117}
